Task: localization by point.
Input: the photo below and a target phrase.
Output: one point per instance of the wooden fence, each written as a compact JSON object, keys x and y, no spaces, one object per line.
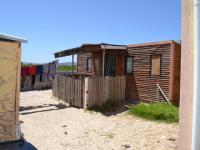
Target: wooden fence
{"x":87,"y":92}
{"x":101,"y":90}
{"x":69,"y":89}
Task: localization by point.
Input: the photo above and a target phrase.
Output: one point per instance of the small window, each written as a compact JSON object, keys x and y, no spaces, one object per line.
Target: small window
{"x":129,"y":65}
{"x":155,"y":64}
{"x":89,"y":64}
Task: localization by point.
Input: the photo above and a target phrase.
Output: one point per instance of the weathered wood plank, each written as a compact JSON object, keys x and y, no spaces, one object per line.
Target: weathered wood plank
{"x":98,"y":90}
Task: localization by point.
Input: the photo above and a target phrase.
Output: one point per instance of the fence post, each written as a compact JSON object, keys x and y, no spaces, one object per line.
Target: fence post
{"x":85,"y":100}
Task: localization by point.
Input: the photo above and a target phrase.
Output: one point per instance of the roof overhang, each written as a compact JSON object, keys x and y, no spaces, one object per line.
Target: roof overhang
{"x":67,"y":52}
{"x":114,"y":47}
{"x":89,"y":48}
{"x":152,"y":43}
{"x":104,"y":46}
{"x":12,"y":38}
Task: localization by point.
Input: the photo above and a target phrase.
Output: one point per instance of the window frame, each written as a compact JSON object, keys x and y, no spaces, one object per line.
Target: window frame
{"x":87,"y":64}
{"x":151,"y":66}
{"x":126,"y":61}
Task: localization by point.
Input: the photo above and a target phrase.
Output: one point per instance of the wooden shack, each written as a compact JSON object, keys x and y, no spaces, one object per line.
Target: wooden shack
{"x":152,"y":70}
{"x":10,"y":67}
{"x":156,"y":66}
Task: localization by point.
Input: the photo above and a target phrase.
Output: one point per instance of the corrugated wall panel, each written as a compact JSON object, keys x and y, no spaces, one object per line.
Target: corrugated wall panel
{"x":141,"y":85}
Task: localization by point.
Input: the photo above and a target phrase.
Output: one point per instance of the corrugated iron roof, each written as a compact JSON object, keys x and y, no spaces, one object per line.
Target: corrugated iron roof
{"x":102,"y":46}
{"x":152,"y":43}
{"x":106,"y":46}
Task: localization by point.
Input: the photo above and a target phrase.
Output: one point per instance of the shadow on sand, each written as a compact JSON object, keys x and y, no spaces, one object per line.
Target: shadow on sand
{"x":32,"y":109}
{"x":116,"y":111}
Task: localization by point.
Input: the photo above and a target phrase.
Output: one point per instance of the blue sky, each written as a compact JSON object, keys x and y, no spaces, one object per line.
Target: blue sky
{"x":54,"y":25}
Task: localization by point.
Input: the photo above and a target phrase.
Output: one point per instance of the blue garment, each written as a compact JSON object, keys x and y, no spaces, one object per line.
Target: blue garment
{"x":39,"y":69}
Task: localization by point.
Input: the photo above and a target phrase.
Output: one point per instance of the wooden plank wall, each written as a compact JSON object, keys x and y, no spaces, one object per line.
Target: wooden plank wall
{"x":101,"y":90}
{"x":97,"y":64}
{"x":69,"y":89}
{"x":141,"y":85}
{"x":175,"y":85}
{"x":82,"y":63}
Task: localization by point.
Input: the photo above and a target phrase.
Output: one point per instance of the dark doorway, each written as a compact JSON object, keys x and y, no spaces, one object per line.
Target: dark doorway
{"x":110,"y":65}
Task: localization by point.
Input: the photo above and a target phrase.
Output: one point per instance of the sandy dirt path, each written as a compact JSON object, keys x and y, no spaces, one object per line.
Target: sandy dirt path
{"x":49,"y":125}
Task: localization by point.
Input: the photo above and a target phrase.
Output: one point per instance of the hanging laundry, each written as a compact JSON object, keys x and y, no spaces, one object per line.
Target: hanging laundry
{"x":46,"y":68}
{"x":39,"y":69}
{"x":32,"y":70}
{"x":24,"y":71}
{"x":37,"y":77}
{"x":33,"y":81}
{"x":56,"y":64}
{"x":53,"y":68}
{"x":44,"y":77}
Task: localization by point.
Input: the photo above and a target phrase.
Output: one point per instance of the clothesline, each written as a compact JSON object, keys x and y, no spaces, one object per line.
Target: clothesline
{"x":48,"y":69}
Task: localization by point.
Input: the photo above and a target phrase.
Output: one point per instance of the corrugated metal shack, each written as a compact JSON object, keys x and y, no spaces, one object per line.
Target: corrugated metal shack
{"x":152,"y":70}
{"x":154,"y":64}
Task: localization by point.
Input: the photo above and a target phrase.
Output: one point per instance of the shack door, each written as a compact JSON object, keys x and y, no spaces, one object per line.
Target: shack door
{"x":110,"y":65}
{"x":8,"y":90}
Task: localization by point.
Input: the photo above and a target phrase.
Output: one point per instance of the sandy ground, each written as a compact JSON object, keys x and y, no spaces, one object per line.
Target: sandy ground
{"x":49,"y":125}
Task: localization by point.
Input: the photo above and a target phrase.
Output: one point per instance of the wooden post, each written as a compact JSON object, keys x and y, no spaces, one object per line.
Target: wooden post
{"x":103,"y":96}
{"x":163,"y":94}
{"x":85,"y":100}
{"x":187,"y":76}
{"x":103,"y":62}
{"x":73,"y":63}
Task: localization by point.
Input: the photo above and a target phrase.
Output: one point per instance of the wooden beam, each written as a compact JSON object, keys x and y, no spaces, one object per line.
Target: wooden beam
{"x":73,"y":63}
{"x":103,"y":63}
{"x":165,"y":97}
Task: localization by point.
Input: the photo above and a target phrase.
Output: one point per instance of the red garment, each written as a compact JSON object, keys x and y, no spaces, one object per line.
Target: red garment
{"x":32,"y":70}
{"x":24,"y":71}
